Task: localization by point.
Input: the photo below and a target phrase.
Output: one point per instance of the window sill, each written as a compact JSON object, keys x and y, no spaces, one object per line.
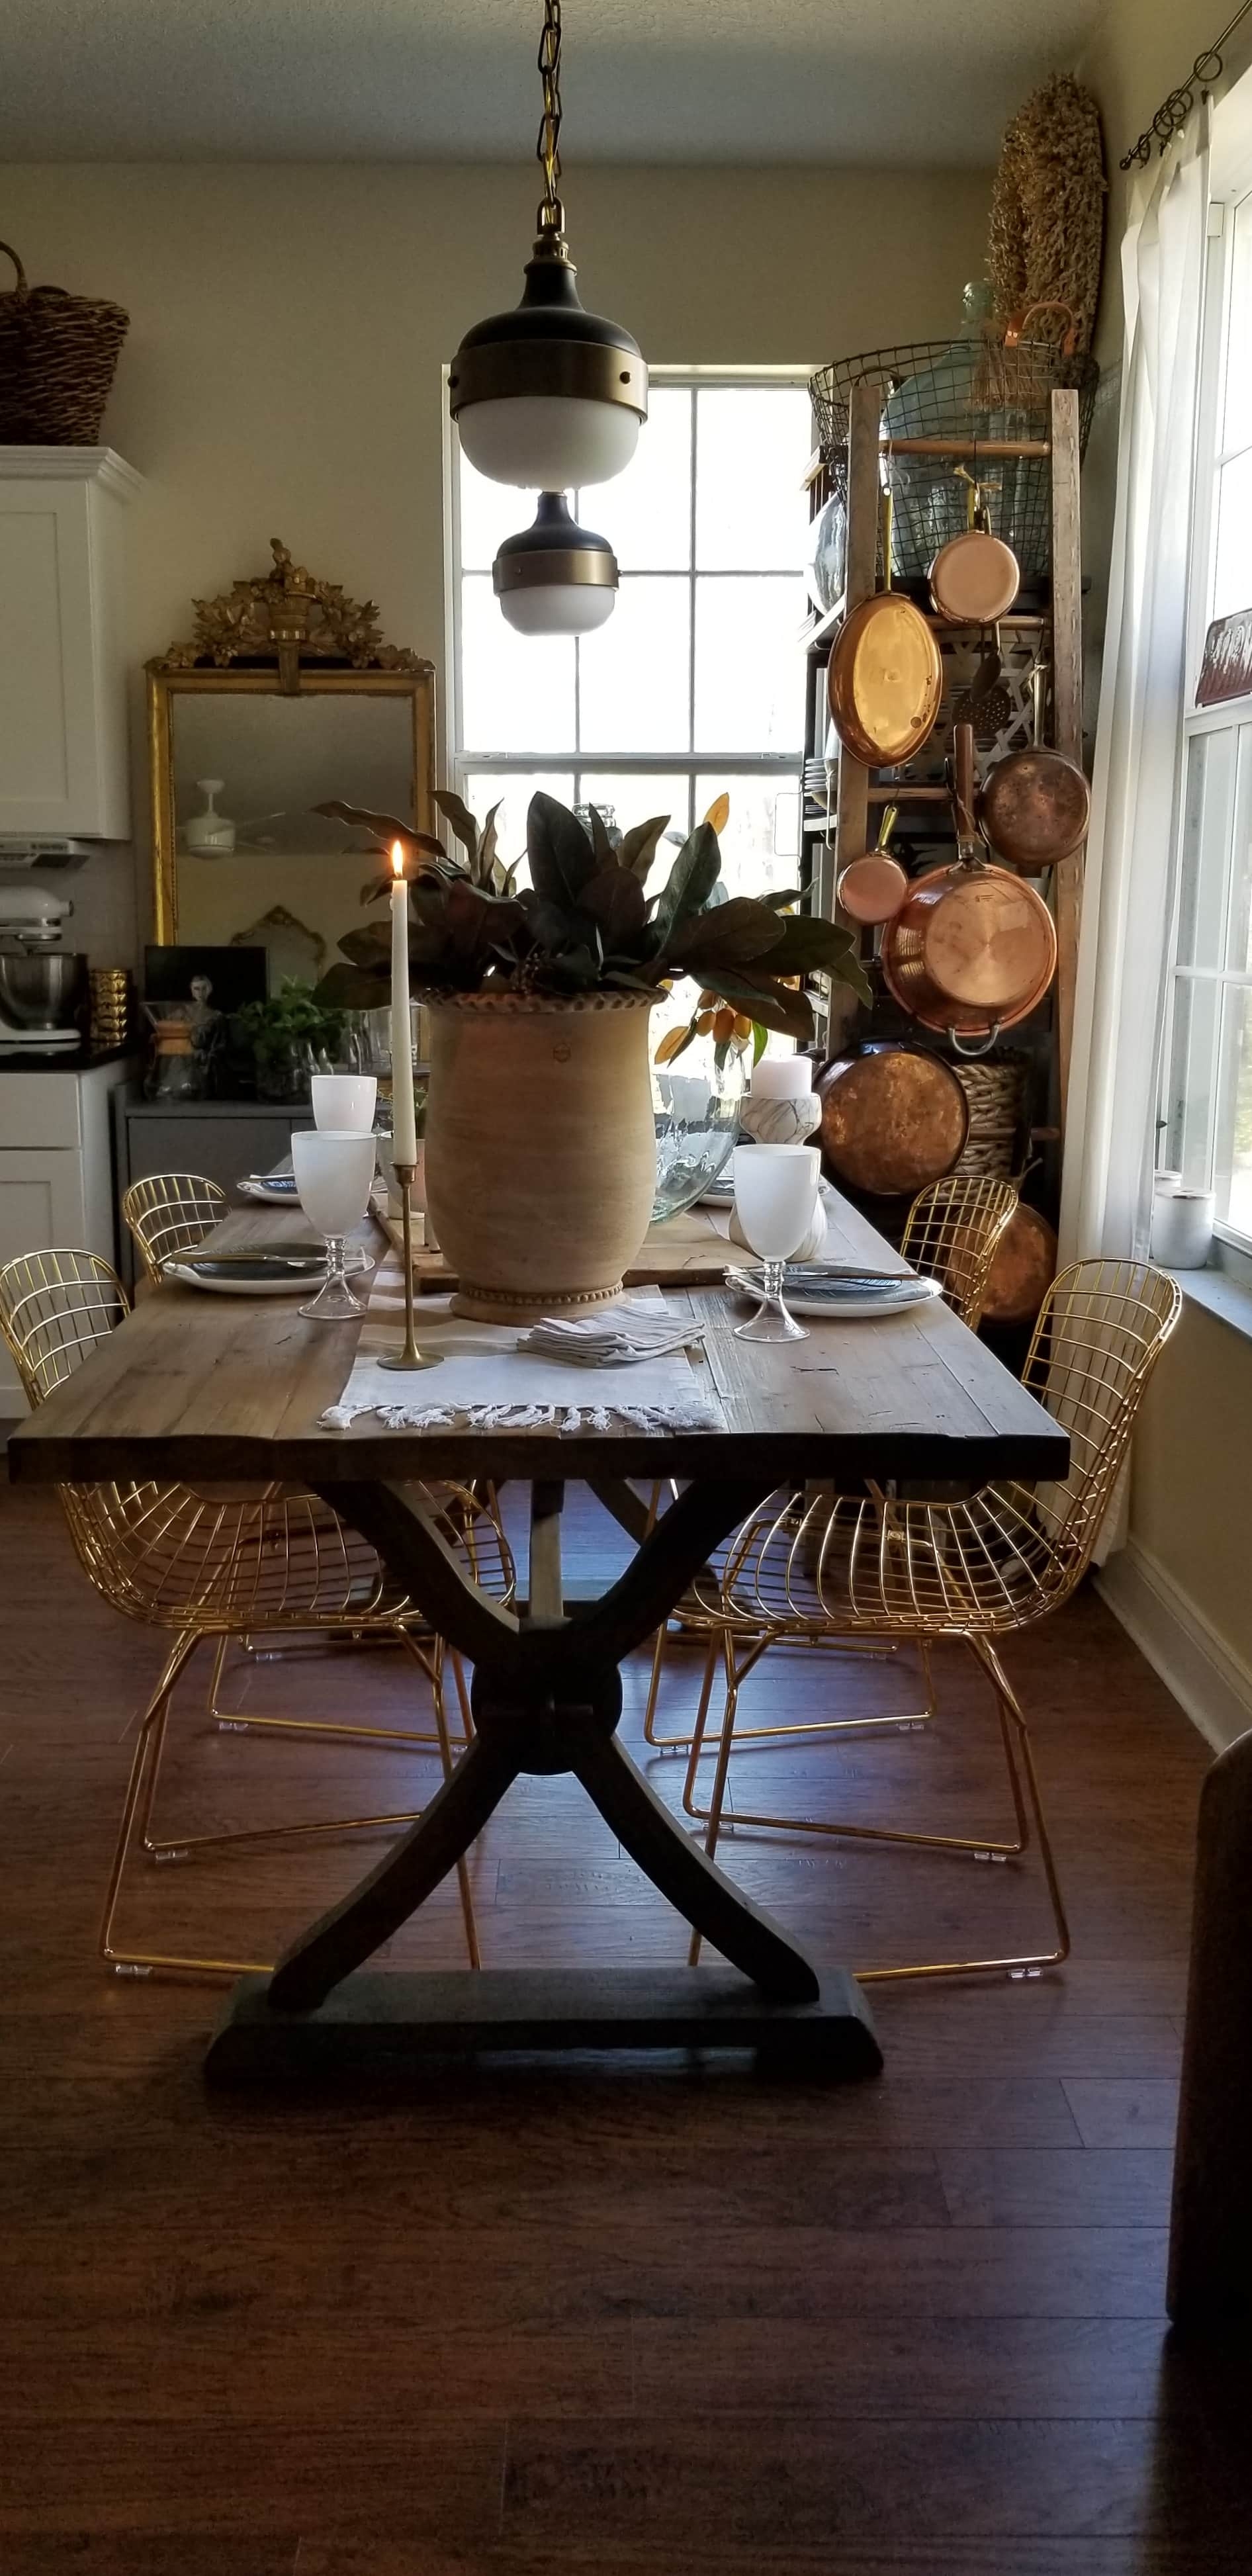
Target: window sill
{"x":1220,"y":1294}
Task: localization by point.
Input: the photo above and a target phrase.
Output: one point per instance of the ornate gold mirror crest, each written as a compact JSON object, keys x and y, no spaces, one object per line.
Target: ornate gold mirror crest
{"x":285,"y":693}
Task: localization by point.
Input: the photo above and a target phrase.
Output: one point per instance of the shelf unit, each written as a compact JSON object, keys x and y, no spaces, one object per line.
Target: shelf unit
{"x":831,"y":842}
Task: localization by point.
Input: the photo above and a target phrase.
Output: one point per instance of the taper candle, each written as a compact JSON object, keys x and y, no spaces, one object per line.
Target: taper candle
{"x":403,"y":1107}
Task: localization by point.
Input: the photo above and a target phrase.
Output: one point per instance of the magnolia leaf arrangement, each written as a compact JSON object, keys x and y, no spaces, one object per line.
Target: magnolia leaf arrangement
{"x":586,"y":922}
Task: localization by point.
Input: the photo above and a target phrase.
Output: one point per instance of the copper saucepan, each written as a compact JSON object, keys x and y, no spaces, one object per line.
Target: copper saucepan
{"x":893,"y":1118}
{"x":873,"y":887}
{"x":973,"y":948}
{"x":975,"y":578}
{"x":1035,"y":806}
{"x":885,"y":677}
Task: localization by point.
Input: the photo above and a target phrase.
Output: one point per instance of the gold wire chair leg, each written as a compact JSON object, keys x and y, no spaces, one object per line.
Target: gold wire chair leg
{"x":893,"y":1724}
{"x":462,"y":1690}
{"x":700,"y":1727}
{"x":338,"y":1730}
{"x":993,"y":1847}
{"x":723,"y":1756}
{"x":137,"y":1809}
{"x":183,"y":1846}
{"x":445,"y":1750}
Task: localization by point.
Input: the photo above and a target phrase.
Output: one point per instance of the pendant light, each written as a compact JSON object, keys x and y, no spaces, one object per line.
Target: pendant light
{"x":555,"y":578}
{"x":548,"y":396}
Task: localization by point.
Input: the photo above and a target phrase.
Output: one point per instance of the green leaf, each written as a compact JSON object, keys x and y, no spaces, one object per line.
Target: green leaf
{"x":776,"y":1006}
{"x":385,"y":827}
{"x":370,"y":946}
{"x":639,"y":845}
{"x":352,"y":988}
{"x":615,"y":901}
{"x":691,"y":880}
{"x":600,"y":841}
{"x":804,"y":943}
{"x":760,"y":1040}
{"x":780,"y":900}
{"x":456,"y":812}
{"x":736,"y":932}
{"x":561,"y":856}
{"x":850,"y":971}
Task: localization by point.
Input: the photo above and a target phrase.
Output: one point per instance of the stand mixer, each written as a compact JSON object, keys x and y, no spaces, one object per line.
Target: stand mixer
{"x":43,"y":987}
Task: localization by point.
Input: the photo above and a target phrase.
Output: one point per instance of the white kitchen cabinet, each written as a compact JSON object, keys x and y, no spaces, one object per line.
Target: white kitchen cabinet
{"x":56,"y":1175}
{"x":63,"y":744}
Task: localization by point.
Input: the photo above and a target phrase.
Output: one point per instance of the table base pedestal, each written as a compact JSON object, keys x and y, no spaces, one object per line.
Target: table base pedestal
{"x":384,"y":2024}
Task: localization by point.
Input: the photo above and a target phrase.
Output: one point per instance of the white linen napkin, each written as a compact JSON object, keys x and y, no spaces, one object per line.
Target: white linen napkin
{"x":488,"y":1380}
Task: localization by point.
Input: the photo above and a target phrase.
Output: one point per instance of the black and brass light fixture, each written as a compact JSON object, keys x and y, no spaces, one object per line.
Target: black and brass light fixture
{"x":555,"y":578}
{"x":548,"y":396}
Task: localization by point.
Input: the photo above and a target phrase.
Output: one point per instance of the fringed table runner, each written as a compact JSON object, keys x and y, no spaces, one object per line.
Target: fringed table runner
{"x":485,"y":1383}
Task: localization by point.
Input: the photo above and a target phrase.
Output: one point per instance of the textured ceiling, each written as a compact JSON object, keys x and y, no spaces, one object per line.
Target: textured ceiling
{"x":921,"y":81}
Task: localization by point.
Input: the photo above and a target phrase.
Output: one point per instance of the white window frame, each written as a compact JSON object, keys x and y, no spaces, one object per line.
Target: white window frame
{"x":1230,"y":184}
{"x":463,"y":761}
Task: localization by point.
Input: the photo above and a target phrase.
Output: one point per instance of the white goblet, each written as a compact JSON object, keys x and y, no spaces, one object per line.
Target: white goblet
{"x":344,"y":1102}
{"x":334,"y":1176}
{"x":775,"y":1198}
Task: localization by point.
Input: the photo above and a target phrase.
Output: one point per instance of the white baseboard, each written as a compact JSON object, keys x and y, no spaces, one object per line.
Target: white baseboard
{"x":1196,"y":1664}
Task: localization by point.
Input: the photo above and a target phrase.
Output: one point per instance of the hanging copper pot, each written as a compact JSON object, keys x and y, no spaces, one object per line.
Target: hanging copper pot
{"x":1035,"y":807}
{"x":893,"y":1118}
{"x":975,"y":578}
{"x":885,"y":676}
{"x":873,"y":887}
{"x":973,"y":948}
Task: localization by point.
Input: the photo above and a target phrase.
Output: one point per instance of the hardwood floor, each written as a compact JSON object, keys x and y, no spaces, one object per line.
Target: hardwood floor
{"x":632,"y":2318}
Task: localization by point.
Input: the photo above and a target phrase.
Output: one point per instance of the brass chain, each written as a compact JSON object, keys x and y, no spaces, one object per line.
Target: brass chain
{"x":547,"y":149}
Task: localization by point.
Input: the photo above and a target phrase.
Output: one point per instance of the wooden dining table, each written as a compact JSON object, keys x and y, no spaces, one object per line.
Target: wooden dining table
{"x":201,"y":1388}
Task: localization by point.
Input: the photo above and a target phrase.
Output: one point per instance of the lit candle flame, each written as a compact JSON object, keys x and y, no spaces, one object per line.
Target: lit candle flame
{"x":397,"y":857}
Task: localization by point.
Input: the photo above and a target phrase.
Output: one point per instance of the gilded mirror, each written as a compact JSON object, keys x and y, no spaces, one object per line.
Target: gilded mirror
{"x":284,"y":696}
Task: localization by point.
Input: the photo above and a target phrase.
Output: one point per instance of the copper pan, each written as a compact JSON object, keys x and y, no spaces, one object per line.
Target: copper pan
{"x":873,"y":887}
{"x":885,"y":677}
{"x":893,"y":1118}
{"x":1035,"y":807}
{"x":973,"y":948}
{"x":975,"y":578}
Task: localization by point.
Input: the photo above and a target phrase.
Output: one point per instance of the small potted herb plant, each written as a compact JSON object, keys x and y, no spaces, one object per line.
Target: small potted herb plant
{"x":293,"y":1035}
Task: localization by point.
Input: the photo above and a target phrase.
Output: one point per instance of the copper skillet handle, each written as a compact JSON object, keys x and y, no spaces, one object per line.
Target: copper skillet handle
{"x":963,"y":787}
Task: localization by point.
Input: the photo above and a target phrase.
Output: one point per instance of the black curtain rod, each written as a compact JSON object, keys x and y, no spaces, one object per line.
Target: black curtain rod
{"x":1174,"y":110}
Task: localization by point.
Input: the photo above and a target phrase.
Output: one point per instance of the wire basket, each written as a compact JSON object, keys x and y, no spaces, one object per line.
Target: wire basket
{"x":971,"y":390}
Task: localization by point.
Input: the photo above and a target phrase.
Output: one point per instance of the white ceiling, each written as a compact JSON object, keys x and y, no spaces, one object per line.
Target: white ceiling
{"x":920,"y":81}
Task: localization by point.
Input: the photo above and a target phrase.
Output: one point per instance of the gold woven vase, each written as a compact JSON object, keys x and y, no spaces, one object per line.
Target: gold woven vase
{"x":540,"y":1148}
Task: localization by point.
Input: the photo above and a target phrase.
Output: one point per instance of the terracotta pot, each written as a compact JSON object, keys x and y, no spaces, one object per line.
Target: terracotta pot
{"x":540,"y":1148}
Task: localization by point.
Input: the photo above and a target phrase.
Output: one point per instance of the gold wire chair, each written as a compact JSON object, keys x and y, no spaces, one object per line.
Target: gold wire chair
{"x":171,"y":1212}
{"x":967,"y":1571}
{"x":214,"y":1565}
{"x":951,"y":1234}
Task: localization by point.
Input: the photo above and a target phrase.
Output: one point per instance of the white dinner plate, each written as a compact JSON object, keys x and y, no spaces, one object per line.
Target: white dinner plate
{"x":269,"y":1276}
{"x":276,"y":1193}
{"x":841,"y":1296}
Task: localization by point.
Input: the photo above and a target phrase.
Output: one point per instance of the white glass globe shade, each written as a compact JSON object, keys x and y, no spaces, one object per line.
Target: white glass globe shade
{"x":558,"y":607}
{"x":548,"y":442}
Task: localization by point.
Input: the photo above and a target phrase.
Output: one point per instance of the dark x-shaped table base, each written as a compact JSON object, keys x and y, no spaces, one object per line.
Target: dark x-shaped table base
{"x":547,"y":1696}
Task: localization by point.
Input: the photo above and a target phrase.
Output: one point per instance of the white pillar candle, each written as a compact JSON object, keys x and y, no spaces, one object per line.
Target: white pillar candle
{"x":782,"y":1077}
{"x":403,"y":1107}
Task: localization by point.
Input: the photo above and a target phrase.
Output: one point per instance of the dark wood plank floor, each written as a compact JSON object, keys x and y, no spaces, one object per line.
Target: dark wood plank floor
{"x":631,"y":2318}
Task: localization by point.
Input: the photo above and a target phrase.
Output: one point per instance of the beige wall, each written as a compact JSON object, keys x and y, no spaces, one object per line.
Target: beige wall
{"x":282,"y":374}
{"x":1189,"y":1501}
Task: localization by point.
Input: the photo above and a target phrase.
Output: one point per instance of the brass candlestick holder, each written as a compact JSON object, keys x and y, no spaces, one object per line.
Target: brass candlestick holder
{"x":410,"y":1357}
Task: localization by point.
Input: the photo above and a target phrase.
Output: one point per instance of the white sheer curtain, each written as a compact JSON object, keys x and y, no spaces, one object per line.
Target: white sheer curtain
{"x":1110,"y":1126}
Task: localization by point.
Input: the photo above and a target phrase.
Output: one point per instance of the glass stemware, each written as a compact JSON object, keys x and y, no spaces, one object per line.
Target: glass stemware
{"x":334,"y":1175}
{"x":775,"y":1198}
{"x":343,"y":1103}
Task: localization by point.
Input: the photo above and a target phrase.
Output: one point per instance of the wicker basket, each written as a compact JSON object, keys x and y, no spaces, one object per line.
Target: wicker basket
{"x":996,"y":1092}
{"x":58,"y":353}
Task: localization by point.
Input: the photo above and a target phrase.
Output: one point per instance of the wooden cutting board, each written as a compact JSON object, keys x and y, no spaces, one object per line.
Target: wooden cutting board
{"x":688,"y":1251}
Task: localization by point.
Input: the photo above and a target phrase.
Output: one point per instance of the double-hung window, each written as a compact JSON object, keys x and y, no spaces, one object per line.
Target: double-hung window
{"x":696,"y":683}
{"x":1205,"y":1127}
